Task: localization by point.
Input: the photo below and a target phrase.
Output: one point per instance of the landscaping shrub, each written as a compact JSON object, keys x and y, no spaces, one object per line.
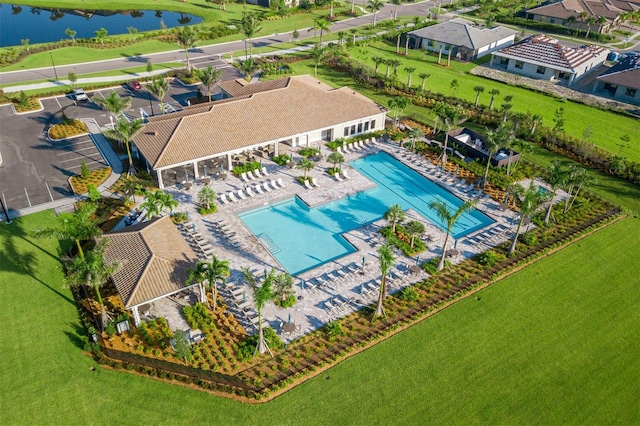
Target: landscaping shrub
{"x":409,"y":294}
{"x":249,"y":166}
{"x":490,"y":258}
{"x":309,"y":152}
{"x":199,"y":316}
{"x":402,"y":240}
{"x":281,"y":159}
{"x":247,"y":347}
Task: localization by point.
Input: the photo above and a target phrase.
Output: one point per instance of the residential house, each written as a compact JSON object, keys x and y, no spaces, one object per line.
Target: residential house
{"x":464,"y":39}
{"x":213,"y":137}
{"x":622,"y":81}
{"x":154,"y":262}
{"x":544,"y":58}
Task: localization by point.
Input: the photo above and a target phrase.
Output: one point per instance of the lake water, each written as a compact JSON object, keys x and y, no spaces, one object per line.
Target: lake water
{"x":47,"y":25}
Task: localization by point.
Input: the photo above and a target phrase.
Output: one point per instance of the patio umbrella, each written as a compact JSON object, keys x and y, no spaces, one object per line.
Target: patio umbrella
{"x":265,"y":272}
{"x":364,"y":261}
{"x":194,"y":227}
{"x":260,"y":163}
{"x":457,"y":169}
{"x":302,"y":284}
{"x":244,"y":297}
{"x":418,"y":259}
{"x":205,"y":170}
{"x":455,"y":243}
{"x":289,"y":317}
{"x":361,"y":288}
{"x":291,"y":156}
{"x":187,"y":214}
{"x":186,"y":176}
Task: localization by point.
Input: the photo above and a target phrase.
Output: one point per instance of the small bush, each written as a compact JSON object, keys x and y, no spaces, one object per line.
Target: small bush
{"x":409,"y":294}
{"x":529,"y":238}
{"x":489,"y":258}
{"x":281,"y":159}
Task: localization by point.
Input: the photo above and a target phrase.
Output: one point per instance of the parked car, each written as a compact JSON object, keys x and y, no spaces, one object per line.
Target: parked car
{"x":134,"y":85}
{"x":79,"y":95}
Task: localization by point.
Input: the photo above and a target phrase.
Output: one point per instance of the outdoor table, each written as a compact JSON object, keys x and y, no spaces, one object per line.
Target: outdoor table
{"x":187,"y":185}
{"x":289,"y":327}
{"x":415,"y":269}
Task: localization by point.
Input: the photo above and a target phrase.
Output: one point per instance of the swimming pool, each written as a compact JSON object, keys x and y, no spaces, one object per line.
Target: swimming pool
{"x":301,"y":238}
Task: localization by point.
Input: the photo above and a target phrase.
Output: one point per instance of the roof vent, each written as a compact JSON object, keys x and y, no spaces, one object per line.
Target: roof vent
{"x":155,"y":133}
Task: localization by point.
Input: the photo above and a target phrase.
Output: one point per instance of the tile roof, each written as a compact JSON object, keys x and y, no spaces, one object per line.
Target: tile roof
{"x":566,"y":8}
{"x":624,"y":73}
{"x":304,"y":104}
{"x":241,"y":87}
{"x":548,"y":51}
{"x":154,"y":260}
{"x":460,"y":32}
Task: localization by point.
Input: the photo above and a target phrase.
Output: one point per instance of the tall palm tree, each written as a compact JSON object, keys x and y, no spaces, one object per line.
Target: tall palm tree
{"x":536,"y":119}
{"x":571,"y":20}
{"x":395,"y":63}
{"x":414,"y":228}
{"x":506,"y":106}
{"x":354,"y":33}
{"x":210,"y":273}
{"x":248,"y":67}
{"x":387,"y":62}
{"x":321,"y":24}
{"x":576,"y":179}
{"x":335,"y":158}
{"x":395,"y":215}
{"x":187,"y":37}
{"x":415,"y":133}
{"x":375,"y":6}
{"x":409,"y":70}
{"x":556,"y":176}
{"x":493,"y":93}
{"x":282,"y":287}
{"x":319,"y":54}
{"x":306,"y":165}
{"x":377,"y":60}
{"x":449,"y":218}
{"x":78,"y":226}
{"x":395,"y":4}
{"x":452,"y":117}
{"x":93,"y":272}
{"x":207,"y":197}
{"x":113,"y":104}
{"x":424,"y":76}
{"x":495,"y":140}
{"x":530,"y":200}
{"x":123,"y":132}
{"x":478,"y":90}
{"x":261,"y":295}
{"x":209,"y":76}
{"x":155,"y":202}
{"x":386,"y":258}
{"x":250,"y":28}
{"x":398,"y":105}
{"x":159,"y":88}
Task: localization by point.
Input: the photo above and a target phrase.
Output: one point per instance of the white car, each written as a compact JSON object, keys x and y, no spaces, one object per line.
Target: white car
{"x":79,"y":95}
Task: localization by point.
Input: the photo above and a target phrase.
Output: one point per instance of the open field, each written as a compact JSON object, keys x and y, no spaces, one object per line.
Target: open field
{"x":556,"y":343}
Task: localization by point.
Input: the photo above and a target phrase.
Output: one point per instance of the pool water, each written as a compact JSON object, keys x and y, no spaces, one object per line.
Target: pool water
{"x":302,"y":238}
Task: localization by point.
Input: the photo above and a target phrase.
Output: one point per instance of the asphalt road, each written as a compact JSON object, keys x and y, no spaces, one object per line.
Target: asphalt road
{"x":410,"y":9}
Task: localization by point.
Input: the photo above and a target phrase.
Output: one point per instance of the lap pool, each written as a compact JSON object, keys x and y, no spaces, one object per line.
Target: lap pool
{"x":301,"y":238}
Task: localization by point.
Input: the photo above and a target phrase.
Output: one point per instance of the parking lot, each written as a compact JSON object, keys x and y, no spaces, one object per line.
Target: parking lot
{"x":35,"y":169}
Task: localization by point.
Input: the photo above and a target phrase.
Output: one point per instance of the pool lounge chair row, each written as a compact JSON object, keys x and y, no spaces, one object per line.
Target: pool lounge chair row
{"x":337,"y":304}
{"x":251,"y":191}
{"x":341,"y":178}
{"x":255,"y":174}
{"x":202,"y":248}
{"x":311,"y":183}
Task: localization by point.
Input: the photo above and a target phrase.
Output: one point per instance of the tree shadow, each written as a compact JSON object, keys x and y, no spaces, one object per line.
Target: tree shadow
{"x":76,"y":335}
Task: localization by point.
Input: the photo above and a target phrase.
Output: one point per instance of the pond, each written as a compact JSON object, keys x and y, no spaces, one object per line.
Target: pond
{"x":41,"y":25}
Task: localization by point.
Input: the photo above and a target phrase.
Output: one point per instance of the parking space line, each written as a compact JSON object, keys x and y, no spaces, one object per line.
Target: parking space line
{"x":87,"y":163}
{"x":75,"y":143}
{"x":58,"y":102}
{"x":76,"y":150}
{"x":50,"y":196}
{"x":27,"y":194}
{"x":80,"y":158}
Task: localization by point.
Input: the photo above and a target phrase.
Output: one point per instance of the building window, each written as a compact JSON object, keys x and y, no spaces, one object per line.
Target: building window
{"x":353,"y":129}
{"x":373,"y":124}
{"x":519,"y":65}
{"x":630,"y":92}
{"x":541,"y":70}
{"x":366,"y":126}
{"x":359,"y":127}
{"x":552,"y":21}
{"x":504,"y":61}
{"x":346,"y":131}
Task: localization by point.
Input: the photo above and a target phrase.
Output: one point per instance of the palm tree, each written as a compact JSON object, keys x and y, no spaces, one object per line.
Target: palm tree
{"x":261,"y":295}
{"x":335,"y":158}
{"x":186,"y":37}
{"x":523,"y":147}
{"x":493,"y":93}
{"x":395,"y":63}
{"x":395,"y":215}
{"x":387,"y":62}
{"x":576,"y":178}
{"x":375,"y":6}
{"x":124,"y":131}
{"x":414,"y":228}
{"x":306,"y":165}
{"x":113,"y":104}
{"x":452,"y":117}
{"x":496,"y":139}
{"x":209,"y":76}
{"x":250,"y":28}
{"x":354,"y":32}
{"x":591,"y":20}
{"x":156,"y":202}
{"x":531,"y":199}
{"x":319,"y":54}
{"x":341,"y":36}
{"x":398,"y":105}
{"x":129,"y":187}
{"x":409,"y":70}
{"x":449,"y":218}
{"x":248,"y":67}
{"x":556,"y":178}
{"x":424,"y":76}
{"x":506,"y":106}
{"x":377,"y":60}
{"x":571,"y":20}
{"x":78,"y":226}
{"x":386,"y":258}
{"x":282,"y":287}
{"x":210,"y":272}
{"x":159,"y":88}
{"x":478,"y":90}
{"x":535,"y":120}
{"x":415,"y":133}
{"x":93,"y":272}
{"x":321,"y":24}
{"x":207,"y":197}
{"x":395,"y":4}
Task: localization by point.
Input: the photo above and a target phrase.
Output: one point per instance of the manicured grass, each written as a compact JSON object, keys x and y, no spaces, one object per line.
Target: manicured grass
{"x":556,"y":343}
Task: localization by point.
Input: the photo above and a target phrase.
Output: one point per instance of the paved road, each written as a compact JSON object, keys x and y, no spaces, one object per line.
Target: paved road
{"x":200,"y":53}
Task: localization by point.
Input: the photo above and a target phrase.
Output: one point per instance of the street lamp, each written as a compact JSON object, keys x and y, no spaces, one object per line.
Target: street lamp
{"x":54,"y":65}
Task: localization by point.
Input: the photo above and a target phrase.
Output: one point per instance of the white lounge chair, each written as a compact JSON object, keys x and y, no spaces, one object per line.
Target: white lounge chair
{"x":314,"y":182}
{"x":244,"y":177}
{"x":337,"y":176}
{"x":279,"y":181}
{"x":266,"y":187}
{"x":346,"y":176}
{"x":374,"y":141}
{"x":274,"y":184}
{"x":257,"y":174}
{"x":344,"y":149}
{"x":338,"y":150}
{"x":264,"y":171}
{"x":241,"y":195}
{"x":232,"y":197}
{"x":250,"y":175}
{"x":307,"y":184}
{"x":353,"y":147}
{"x":250,"y":192}
{"x":258,"y":189}
{"x":223,"y":199}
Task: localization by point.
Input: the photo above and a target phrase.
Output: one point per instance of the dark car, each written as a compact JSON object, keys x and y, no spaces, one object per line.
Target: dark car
{"x":134,"y":85}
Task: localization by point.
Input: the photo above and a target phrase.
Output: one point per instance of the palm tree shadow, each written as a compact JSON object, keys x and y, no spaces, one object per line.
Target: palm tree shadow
{"x":76,"y":335}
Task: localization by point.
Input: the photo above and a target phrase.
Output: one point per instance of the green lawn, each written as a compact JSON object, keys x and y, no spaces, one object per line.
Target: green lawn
{"x":556,"y":343}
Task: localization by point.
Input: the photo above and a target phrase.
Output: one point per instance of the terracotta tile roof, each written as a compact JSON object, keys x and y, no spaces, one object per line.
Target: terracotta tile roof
{"x":548,"y":51}
{"x":303,"y":105}
{"x":624,"y":73}
{"x":607,"y":8}
{"x":154,"y":260}
{"x":240,"y":87}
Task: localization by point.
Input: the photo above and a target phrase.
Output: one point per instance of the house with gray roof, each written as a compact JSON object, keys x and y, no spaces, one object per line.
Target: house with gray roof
{"x":622,"y":81}
{"x":463,"y":39}
{"x":544,"y":58}
{"x":298,"y":111}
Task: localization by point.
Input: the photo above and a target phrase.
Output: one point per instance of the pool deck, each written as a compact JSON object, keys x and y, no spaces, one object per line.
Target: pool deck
{"x":224,"y":235}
